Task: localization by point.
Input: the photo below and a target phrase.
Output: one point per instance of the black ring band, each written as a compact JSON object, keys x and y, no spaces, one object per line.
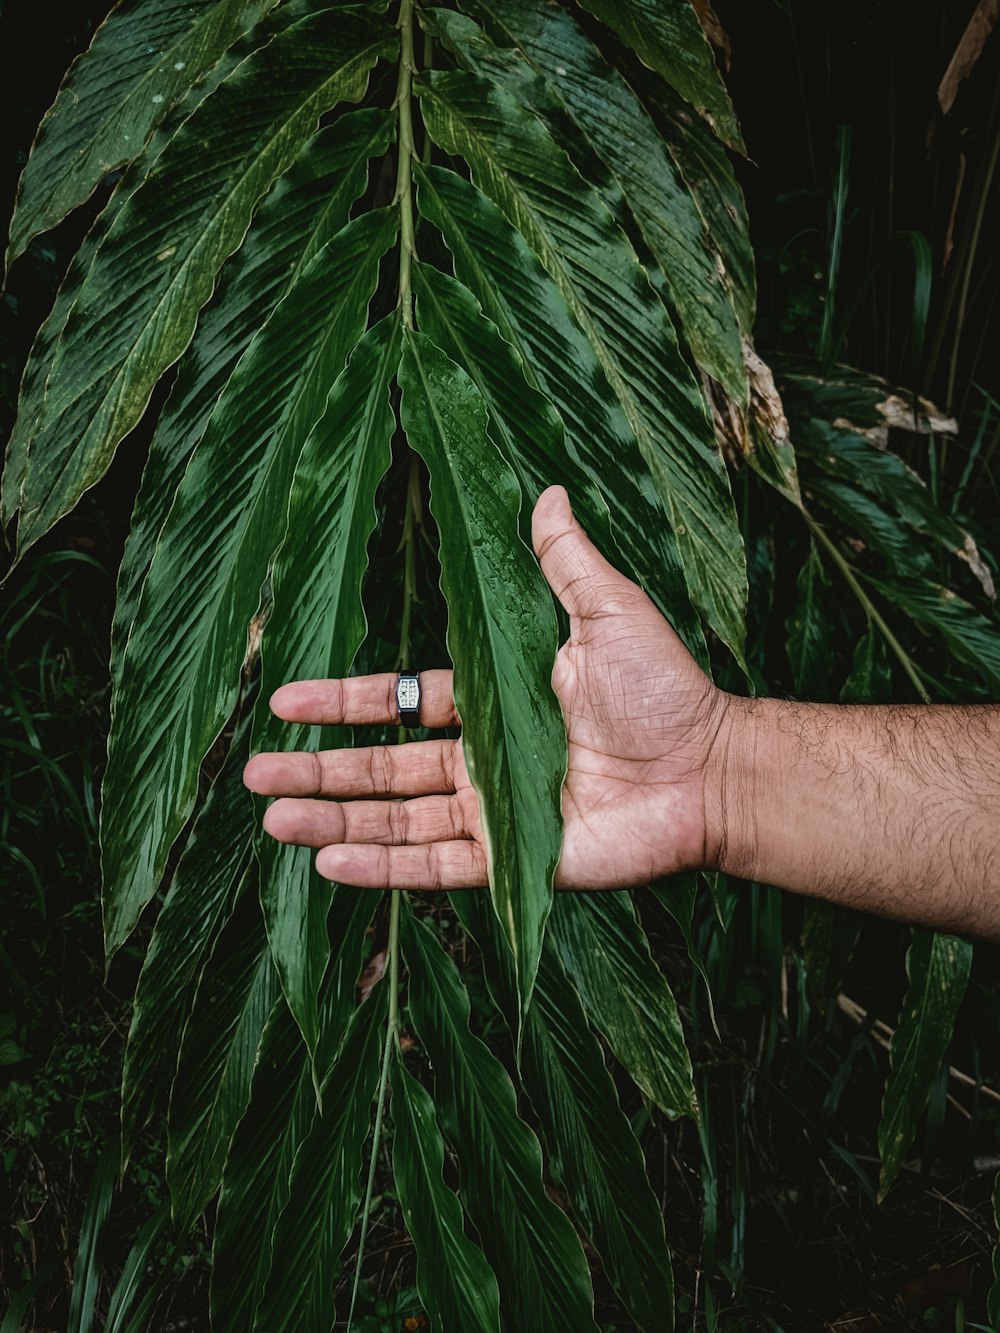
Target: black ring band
{"x":408,"y":698}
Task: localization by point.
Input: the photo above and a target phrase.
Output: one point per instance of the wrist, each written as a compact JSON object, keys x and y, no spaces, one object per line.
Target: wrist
{"x":733,"y":794}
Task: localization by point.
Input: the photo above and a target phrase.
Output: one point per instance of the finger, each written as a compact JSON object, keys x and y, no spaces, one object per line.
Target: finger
{"x":421,"y":769}
{"x":320,"y":823}
{"x":438,"y":865}
{"x":363,"y":700}
{"x":585,"y":583}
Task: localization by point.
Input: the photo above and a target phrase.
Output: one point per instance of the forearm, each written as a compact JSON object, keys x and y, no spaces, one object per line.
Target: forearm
{"x":893,"y":810}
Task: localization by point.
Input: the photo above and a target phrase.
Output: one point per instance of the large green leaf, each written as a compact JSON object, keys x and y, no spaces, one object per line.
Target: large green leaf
{"x":530,"y":1243}
{"x":850,"y":458}
{"x":156,"y":265}
{"x":555,"y":68}
{"x":180,"y":673}
{"x":968,"y":635}
{"x":601,"y":945}
{"x":282,"y":1108}
{"x":863,"y":517}
{"x":502,"y":639}
{"x":520,"y":298}
{"x":594,"y":1152}
{"x":143,"y":57}
{"x":235,"y":994}
{"x":457,"y":1287}
{"x":677,"y":894}
{"x":809,"y":629}
{"x":870,"y":681}
{"x":667,"y":36}
{"x":305,"y":208}
{"x":522,"y":421}
{"x":48,"y":344}
{"x":937,"y":967}
{"x":214,"y":864}
{"x":708,"y":173}
{"x":318,"y":1218}
{"x":331,"y":515}
{"x":514,"y":159}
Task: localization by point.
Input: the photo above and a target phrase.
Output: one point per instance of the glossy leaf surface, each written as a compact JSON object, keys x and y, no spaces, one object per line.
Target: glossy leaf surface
{"x":708,"y":173}
{"x":513,"y":158}
{"x":594,"y":1152}
{"x":180,"y":673}
{"x":937,"y":967}
{"x":522,"y":421}
{"x":317,"y":1221}
{"x":331,"y":515}
{"x":970,"y":636}
{"x":667,"y":36}
{"x":214,"y":864}
{"x":554,"y":67}
{"x":280,"y":1113}
{"x":524,"y":303}
{"x":529,"y":1242}
{"x":155,"y":267}
{"x":457,"y":1287}
{"x":305,"y":208}
{"x":141,"y":59}
{"x":235,"y":994}
{"x":626,"y":997}
{"x":502,"y":640}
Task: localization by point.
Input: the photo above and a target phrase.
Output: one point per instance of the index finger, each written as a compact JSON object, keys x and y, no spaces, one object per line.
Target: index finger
{"x":364,"y":701}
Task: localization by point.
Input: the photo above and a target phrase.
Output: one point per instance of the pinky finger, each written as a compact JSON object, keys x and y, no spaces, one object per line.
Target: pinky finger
{"x":436,"y":865}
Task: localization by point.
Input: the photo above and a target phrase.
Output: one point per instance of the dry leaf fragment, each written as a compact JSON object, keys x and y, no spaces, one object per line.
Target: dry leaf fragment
{"x":968,"y":51}
{"x":714,"y":30}
{"x":371,"y":975}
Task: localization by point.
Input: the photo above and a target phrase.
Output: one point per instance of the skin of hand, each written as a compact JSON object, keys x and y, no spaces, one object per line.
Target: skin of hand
{"x":642,"y":721}
{"x":893,"y":810}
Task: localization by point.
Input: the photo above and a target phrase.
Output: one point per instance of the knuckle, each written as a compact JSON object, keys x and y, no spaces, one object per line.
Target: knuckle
{"x":379,"y":769}
{"x":399,"y":820}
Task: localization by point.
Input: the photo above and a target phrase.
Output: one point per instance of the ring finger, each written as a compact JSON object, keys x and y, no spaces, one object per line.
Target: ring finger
{"x":394,"y":823}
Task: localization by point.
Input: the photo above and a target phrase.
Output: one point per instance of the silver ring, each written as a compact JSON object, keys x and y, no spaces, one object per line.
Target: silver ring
{"x":408,"y":698}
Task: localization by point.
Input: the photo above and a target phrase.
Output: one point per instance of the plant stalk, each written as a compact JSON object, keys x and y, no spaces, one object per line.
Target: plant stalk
{"x":404,"y":186}
{"x":871,"y":611}
{"x":391,"y":1041}
{"x":411,"y":523}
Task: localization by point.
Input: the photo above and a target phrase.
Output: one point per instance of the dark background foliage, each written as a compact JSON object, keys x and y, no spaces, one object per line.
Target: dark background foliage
{"x":770,"y":1205}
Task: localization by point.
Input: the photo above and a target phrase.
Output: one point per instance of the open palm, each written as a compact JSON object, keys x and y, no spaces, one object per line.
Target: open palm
{"x":641,"y":718}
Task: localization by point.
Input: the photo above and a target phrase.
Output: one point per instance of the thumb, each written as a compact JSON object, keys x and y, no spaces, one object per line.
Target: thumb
{"x":574,"y":568}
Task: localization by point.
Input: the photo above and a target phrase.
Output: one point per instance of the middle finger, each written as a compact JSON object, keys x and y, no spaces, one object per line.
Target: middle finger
{"x":422,"y":768}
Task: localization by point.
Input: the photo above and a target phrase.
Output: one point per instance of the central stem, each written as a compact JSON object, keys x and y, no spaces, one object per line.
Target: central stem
{"x":411,"y":524}
{"x":404,"y":190}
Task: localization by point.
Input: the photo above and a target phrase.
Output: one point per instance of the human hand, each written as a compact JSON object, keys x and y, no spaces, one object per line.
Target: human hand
{"x":642,"y":721}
